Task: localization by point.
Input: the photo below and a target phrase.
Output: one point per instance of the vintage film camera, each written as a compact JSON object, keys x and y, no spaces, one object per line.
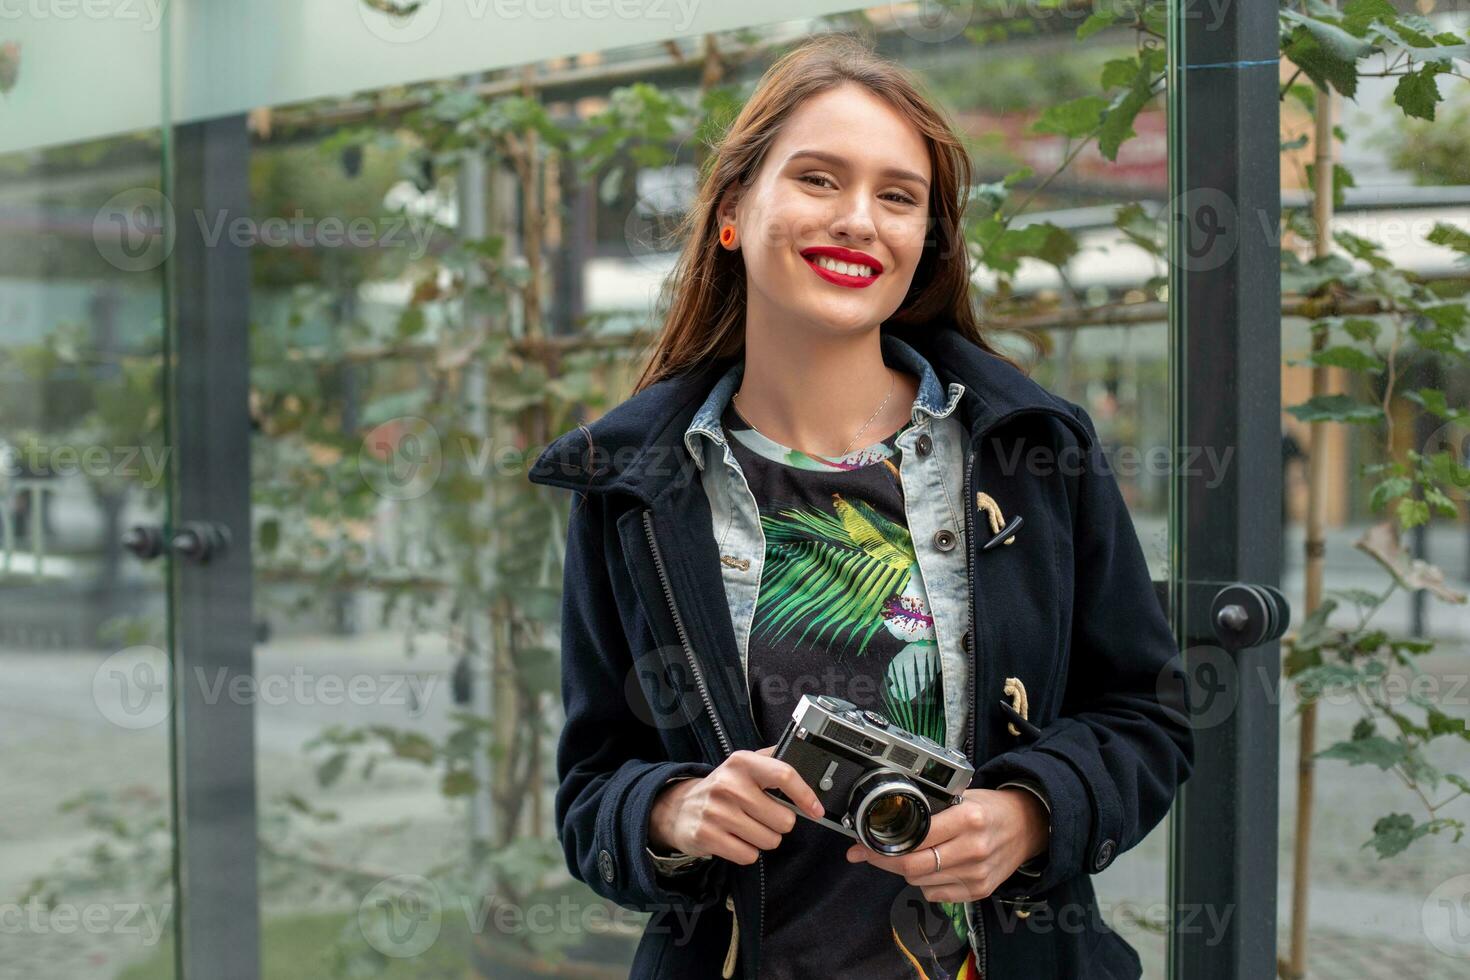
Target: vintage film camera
{"x":877,"y":783}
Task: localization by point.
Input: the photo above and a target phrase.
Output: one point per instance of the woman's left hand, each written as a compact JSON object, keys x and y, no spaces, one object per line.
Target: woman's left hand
{"x":981,"y":843}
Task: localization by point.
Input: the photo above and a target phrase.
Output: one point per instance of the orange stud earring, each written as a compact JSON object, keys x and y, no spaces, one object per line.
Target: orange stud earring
{"x":727,"y":235}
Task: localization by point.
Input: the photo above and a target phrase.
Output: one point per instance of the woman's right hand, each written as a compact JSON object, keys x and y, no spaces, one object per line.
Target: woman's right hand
{"x":728,"y":814}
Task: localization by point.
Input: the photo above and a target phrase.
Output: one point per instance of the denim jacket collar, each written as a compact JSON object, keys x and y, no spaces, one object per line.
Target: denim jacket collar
{"x":929,"y":400}
{"x":639,"y":448}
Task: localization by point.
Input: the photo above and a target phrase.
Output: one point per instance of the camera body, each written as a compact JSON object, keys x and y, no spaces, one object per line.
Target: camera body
{"x":878,"y":783}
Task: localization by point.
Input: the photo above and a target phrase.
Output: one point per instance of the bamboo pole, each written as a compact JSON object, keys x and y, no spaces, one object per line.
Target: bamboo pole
{"x":1315,"y":551}
{"x":552,"y":348}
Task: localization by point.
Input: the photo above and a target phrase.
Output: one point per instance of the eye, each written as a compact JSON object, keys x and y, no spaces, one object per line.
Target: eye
{"x":816,"y":179}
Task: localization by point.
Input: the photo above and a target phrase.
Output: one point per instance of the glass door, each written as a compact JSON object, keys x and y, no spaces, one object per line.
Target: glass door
{"x":86,"y":474}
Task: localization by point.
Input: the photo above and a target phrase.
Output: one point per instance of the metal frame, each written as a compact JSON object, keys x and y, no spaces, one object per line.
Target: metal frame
{"x":1225,"y":366}
{"x":213,"y":636}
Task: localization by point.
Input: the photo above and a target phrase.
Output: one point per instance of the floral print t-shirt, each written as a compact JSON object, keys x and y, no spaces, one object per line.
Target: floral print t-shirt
{"x":842,"y":611}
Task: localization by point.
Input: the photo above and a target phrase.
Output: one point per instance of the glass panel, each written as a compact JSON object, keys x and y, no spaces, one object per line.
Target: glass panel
{"x":86,"y":852}
{"x":1386,"y":893}
{"x":1091,"y":304}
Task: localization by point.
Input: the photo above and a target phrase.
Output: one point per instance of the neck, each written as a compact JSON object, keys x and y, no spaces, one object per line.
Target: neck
{"x":813,"y":391}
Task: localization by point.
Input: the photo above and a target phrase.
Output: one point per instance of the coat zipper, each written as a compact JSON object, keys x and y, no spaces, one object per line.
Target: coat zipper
{"x":709,"y":706}
{"x":663,"y":578}
{"x":970,"y":720}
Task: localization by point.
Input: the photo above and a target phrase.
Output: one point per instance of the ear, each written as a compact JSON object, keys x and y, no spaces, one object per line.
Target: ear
{"x":729,"y":201}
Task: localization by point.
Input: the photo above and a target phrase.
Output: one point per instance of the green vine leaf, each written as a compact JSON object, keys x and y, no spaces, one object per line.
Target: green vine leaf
{"x":331,"y":770}
{"x":1309,"y":277}
{"x":1360,"y":328}
{"x":1075,"y":119}
{"x":1375,"y":750}
{"x":1096,"y":21}
{"x":1443,"y":724}
{"x":1418,"y":92}
{"x":1305,"y":645}
{"x":1411,"y":512}
{"x":1450,"y":237}
{"x":1003,"y":247}
{"x":1139,"y":75}
{"x":1325,"y":53}
{"x":1314,"y":682}
{"x":1145,"y":232}
{"x":1336,"y":408}
{"x":1389,"y":489}
{"x":1433,"y":400}
{"x":1394,"y":833}
{"x":1358,"y":14}
{"x":458,"y":782}
{"x":1351,"y":358}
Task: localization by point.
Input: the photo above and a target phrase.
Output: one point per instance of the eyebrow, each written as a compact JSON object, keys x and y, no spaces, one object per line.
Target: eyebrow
{"x":832,"y":159}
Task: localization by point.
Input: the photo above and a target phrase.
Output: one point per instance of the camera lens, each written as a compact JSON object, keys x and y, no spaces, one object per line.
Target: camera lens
{"x":893,"y":818}
{"x":891,"y":814}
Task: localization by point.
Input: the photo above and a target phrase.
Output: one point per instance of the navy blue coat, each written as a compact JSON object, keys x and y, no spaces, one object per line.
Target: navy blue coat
{"x":652,"y":687}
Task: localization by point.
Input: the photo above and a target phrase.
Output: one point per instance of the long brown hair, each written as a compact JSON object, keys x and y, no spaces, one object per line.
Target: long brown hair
{"x":704,"y":296}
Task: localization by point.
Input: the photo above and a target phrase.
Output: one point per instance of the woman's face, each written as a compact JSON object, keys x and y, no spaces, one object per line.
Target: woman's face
{"x":833,"y":223}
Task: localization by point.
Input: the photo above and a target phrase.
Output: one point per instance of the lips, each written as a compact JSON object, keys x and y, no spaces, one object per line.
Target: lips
{"x":843,"y":266}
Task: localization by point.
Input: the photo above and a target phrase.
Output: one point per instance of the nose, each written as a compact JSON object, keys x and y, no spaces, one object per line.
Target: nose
{"x":854,"y":221}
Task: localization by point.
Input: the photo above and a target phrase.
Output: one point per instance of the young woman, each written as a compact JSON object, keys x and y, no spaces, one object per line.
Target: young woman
{"x":829,"y":482}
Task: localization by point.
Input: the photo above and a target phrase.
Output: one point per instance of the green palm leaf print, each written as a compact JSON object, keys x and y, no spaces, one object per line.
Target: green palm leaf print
{"x":910,"y":689}
{"x":831,"y":573}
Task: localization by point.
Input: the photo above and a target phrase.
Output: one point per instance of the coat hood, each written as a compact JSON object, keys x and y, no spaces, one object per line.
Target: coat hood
{"x":637,"y":447}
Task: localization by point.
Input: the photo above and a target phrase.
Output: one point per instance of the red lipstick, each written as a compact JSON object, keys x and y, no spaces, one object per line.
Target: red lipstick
{"x":840,"y":276}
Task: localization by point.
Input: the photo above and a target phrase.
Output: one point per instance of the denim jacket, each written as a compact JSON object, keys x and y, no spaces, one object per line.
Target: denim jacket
{"x":931,"y":466}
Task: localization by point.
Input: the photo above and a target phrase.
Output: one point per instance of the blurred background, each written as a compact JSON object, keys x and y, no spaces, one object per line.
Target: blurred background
{"x":344,"y":268}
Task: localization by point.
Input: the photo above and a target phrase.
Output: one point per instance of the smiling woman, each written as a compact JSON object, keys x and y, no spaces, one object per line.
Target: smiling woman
{"x":837,"y":154}
{"x":824,"y":393}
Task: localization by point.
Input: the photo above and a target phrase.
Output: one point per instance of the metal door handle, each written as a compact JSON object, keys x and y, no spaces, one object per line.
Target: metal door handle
{"x":145,"y":541}
{"x":199,"y":541}
{"x":195,"y":541}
